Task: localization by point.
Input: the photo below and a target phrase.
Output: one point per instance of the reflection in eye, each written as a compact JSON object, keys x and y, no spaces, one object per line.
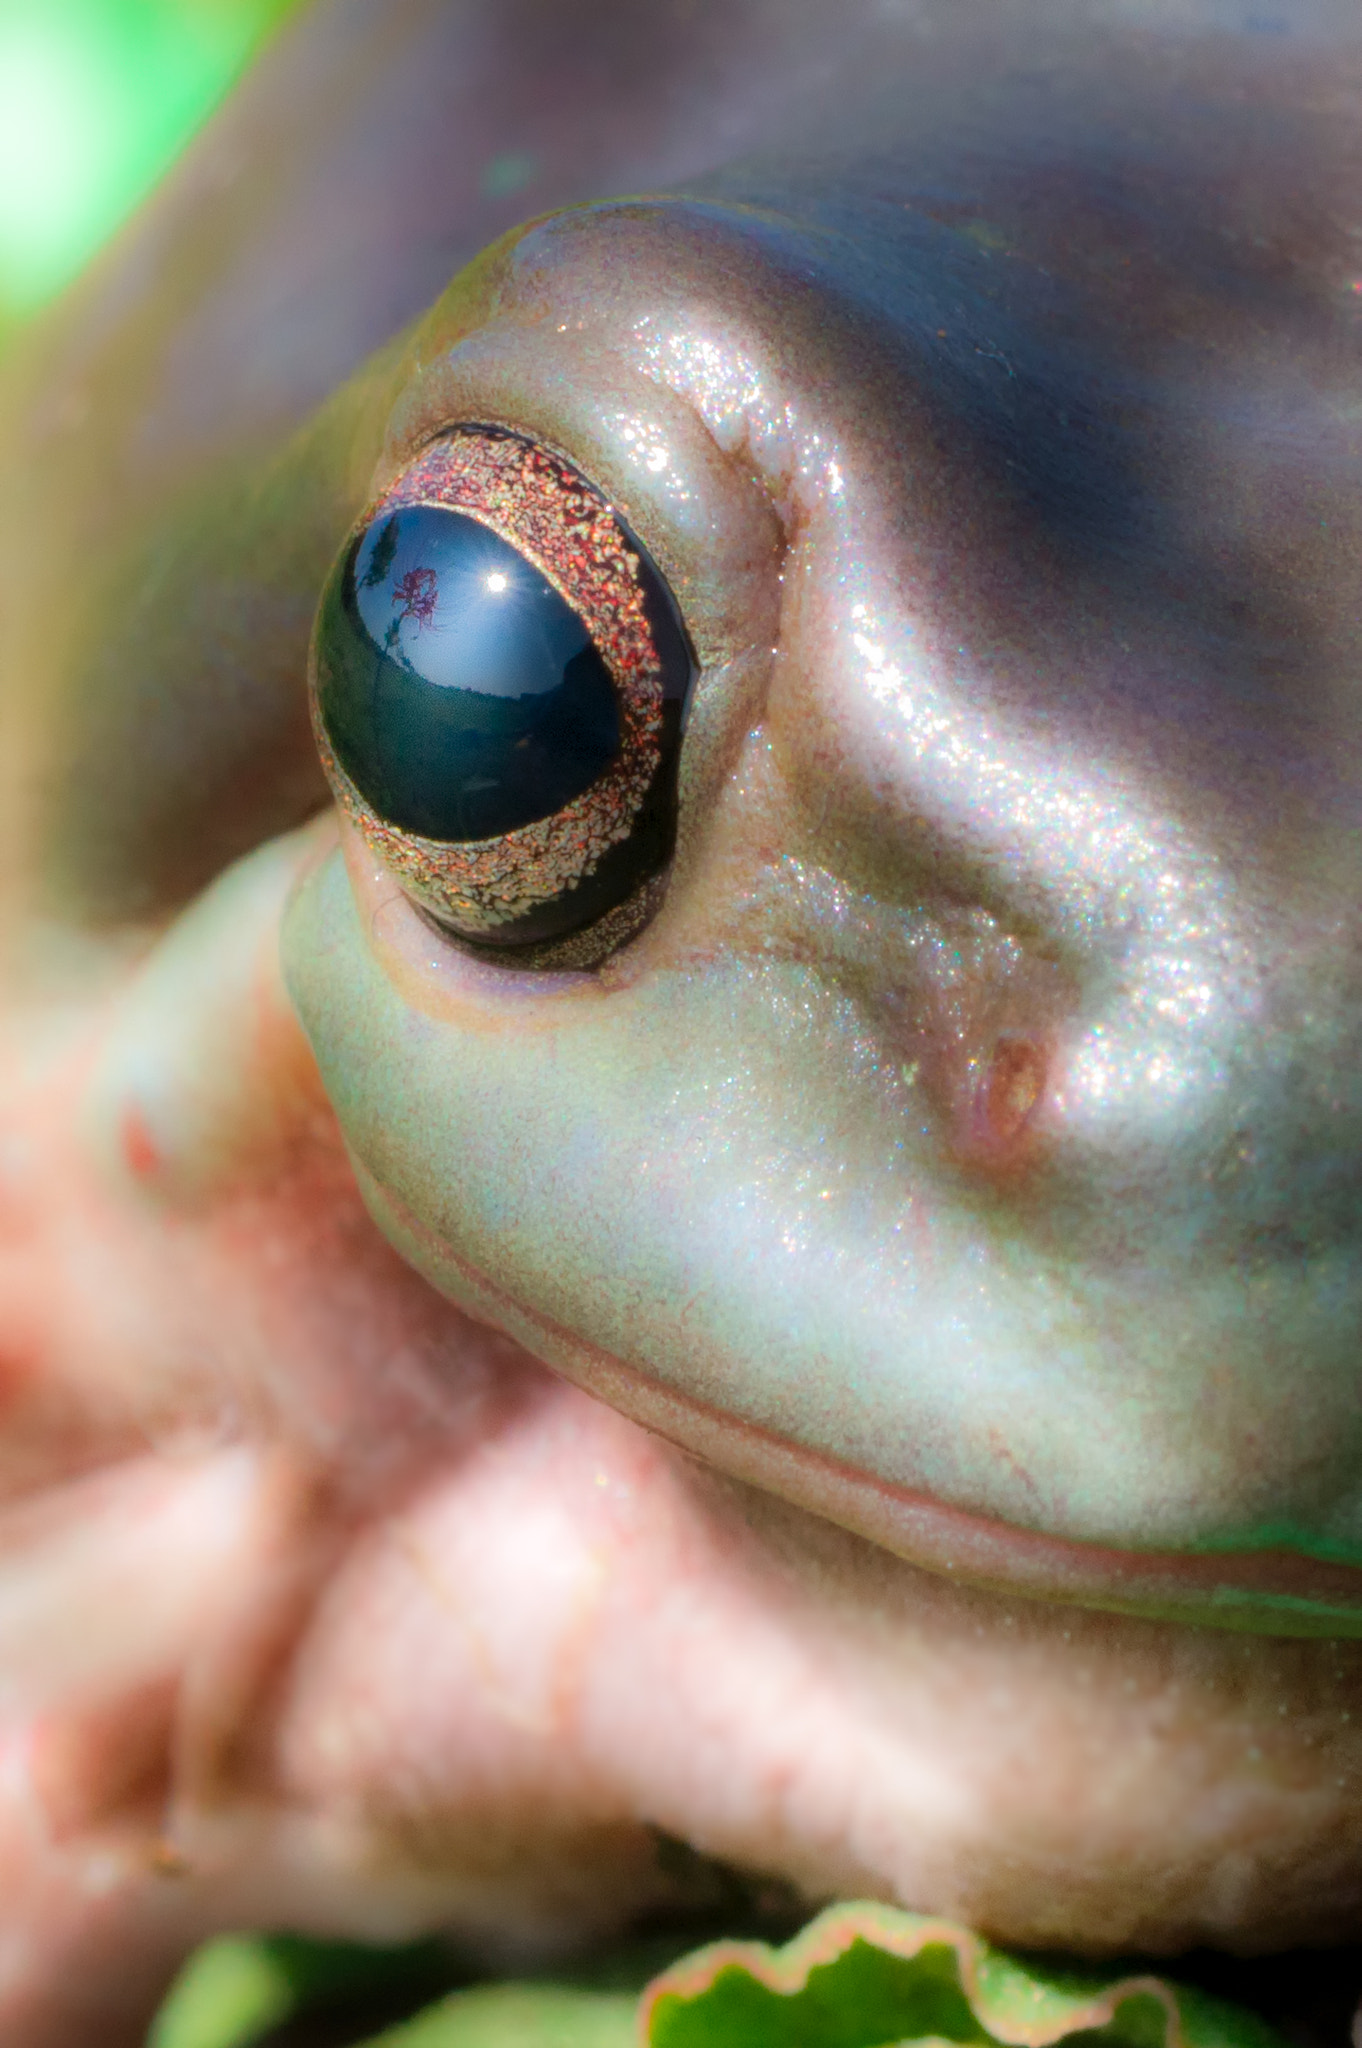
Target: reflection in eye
{"x":473,"y":700}
{"x":500,"y":678}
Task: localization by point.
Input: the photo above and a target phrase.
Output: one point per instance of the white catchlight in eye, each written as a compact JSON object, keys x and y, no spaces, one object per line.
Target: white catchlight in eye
{"x":496,"y":582}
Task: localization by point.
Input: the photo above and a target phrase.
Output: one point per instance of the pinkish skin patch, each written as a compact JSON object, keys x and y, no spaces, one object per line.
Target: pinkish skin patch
{"x":141,"y":1154}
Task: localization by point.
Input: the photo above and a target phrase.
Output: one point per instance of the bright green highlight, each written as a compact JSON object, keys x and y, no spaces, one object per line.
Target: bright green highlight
{"x":228,"y":1994}
{"x":860,"y":1976}
{"x":233,"y":1991}
{"x":96,"y":98}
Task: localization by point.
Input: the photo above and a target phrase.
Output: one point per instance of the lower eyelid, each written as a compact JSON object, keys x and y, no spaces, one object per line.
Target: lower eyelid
{"x":581,"y":951}
{"x":435,"y":971}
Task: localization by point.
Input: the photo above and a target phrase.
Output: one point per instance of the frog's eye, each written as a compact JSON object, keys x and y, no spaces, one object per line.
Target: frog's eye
{"x":500,"y":676}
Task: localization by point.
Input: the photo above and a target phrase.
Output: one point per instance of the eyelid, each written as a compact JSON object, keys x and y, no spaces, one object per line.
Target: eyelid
{"x":448,"y":980}
{"x":706,"y":521}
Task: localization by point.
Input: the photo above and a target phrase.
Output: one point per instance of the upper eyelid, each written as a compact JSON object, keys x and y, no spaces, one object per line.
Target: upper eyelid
{"x":721,"y":559}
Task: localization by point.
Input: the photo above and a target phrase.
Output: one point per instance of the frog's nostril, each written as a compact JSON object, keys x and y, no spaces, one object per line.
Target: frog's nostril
{"x":1006,"y":1098}
{"x":974,"y":1025}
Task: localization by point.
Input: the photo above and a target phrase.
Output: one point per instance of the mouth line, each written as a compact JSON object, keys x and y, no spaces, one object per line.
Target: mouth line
{"x":1270,"y":1591}
{"x":1273,"y":1591}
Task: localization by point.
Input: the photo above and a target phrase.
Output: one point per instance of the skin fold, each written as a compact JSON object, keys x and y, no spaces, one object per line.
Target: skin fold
{"x":863,"y":1382}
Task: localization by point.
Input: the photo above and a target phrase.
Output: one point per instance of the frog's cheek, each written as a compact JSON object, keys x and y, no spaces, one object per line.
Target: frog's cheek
{"x":702,"y":1195}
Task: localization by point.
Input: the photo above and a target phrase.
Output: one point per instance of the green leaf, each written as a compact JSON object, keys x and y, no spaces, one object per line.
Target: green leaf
{"x":229,"y":1993}
{"x":860,"y":1976}
{"x":235,"y":1990}
{"x":867,"y":1976}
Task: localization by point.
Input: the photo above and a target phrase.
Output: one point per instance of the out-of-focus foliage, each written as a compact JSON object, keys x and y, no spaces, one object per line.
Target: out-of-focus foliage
{"x":96,"y":98}
{"x":861,"y":1976}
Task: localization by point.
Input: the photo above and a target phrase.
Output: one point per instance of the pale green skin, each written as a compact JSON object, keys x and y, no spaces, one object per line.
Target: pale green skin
{"x":994,"y":422}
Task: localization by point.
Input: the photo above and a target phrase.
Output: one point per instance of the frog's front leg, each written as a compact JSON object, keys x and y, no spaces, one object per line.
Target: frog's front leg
{"x":958,"y":1159}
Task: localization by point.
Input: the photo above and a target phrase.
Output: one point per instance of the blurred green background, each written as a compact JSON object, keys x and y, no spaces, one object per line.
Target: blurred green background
{"x":96,"y":98}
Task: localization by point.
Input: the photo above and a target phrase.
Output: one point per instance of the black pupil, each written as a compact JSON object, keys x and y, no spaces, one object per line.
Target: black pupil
{"x":462,"y":695}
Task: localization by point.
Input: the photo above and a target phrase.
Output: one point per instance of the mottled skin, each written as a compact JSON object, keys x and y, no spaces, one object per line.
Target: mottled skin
{"x":944,"y":1214}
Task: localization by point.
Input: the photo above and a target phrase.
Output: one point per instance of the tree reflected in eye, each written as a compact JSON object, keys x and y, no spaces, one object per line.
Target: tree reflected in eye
{"x":416,"y":593}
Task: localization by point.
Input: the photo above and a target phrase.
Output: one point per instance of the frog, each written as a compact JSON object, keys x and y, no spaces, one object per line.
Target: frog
{"x":819,"y":1339}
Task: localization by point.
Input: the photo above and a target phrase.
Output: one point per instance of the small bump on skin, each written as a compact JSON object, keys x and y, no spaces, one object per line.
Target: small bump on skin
{"x":1009,"y":1096}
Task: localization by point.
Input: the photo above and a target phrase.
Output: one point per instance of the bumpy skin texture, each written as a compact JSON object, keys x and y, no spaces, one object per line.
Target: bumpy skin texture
{"x":867,"y":1381}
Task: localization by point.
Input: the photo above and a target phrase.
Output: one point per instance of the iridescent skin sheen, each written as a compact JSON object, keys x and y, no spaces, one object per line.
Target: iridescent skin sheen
{"x":942,"y":1220}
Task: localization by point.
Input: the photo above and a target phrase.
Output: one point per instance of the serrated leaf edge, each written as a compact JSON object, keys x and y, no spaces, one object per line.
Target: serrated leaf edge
{"x":786,"y":1970}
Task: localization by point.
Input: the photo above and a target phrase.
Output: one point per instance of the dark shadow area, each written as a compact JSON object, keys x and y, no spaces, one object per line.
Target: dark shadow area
{"x":1309,"y":1995}
{"x":347,"y":1993}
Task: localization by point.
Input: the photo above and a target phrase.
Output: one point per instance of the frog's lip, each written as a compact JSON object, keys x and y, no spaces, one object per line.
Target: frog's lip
{"x":1274,"y":1592}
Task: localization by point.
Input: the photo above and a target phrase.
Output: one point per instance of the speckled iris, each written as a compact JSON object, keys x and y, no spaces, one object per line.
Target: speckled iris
{"x":462,"y":693}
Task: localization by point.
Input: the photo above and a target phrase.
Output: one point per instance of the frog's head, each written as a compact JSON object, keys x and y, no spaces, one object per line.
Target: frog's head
{"x":944,"y":1126}
{"x":967,"y":1148}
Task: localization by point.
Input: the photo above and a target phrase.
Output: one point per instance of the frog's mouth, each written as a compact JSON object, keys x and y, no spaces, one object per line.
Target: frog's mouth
{"x":1271,"y":1589}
